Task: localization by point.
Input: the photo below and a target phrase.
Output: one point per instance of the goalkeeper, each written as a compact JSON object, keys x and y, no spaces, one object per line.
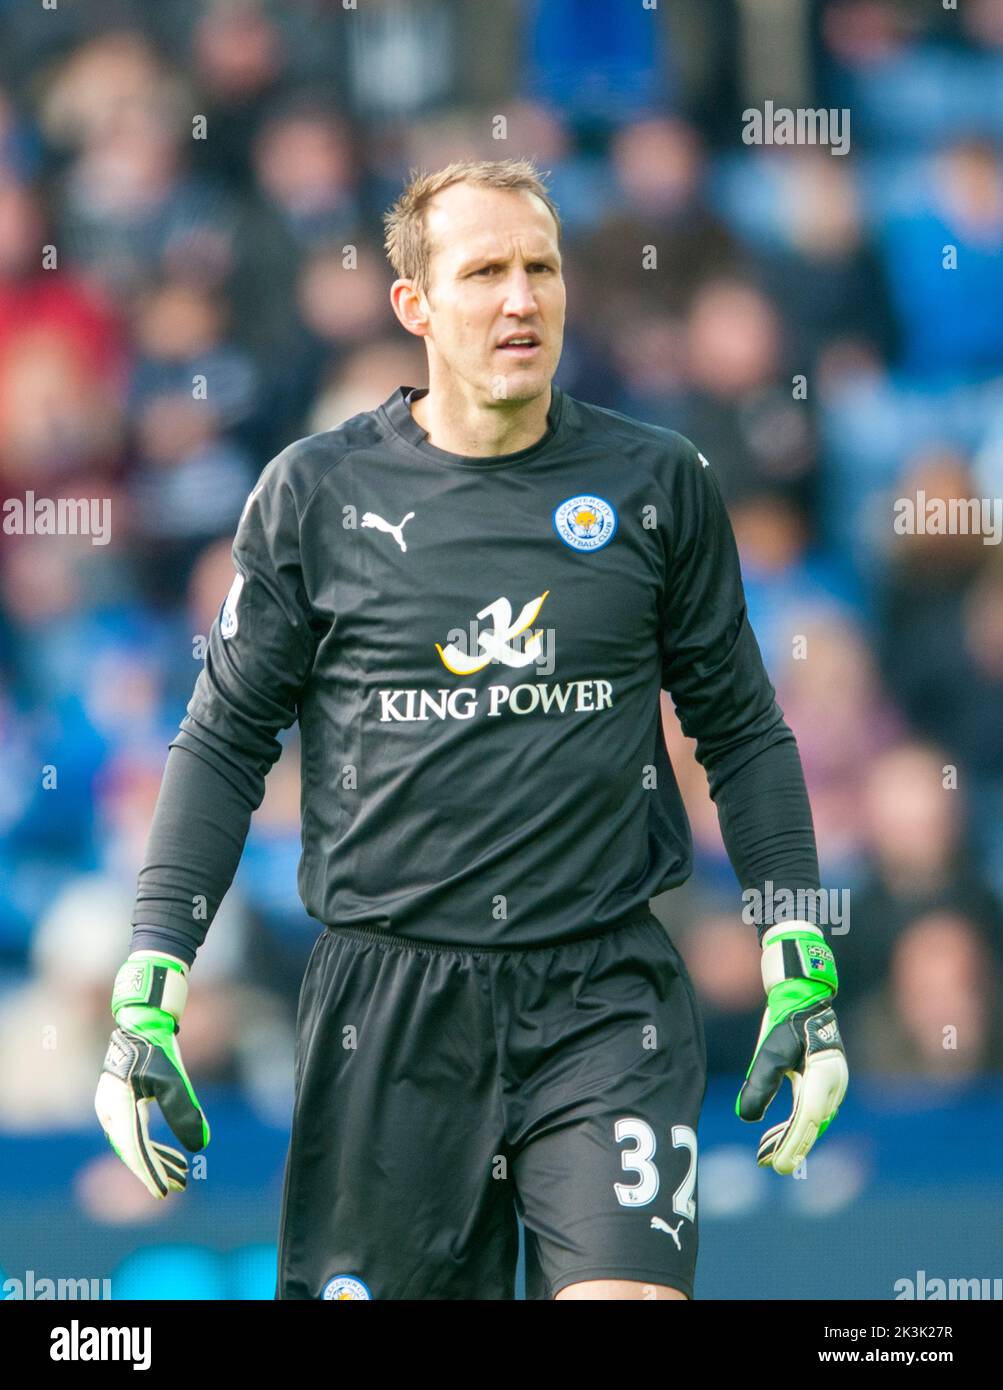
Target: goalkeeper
{"x":470,"y":599}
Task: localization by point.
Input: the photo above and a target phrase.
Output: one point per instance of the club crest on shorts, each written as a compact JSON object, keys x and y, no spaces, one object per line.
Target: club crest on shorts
{"x":228,"y":618}
{"x":344,"y":1286}
{"x":585,"y":522}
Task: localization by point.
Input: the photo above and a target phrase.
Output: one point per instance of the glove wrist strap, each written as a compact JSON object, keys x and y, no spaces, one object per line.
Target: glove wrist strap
{"x":797,"y":951}
{"x":158,"y":981}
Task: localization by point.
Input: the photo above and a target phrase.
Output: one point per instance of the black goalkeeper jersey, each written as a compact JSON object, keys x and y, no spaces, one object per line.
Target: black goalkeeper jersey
{"x":474,"y":649}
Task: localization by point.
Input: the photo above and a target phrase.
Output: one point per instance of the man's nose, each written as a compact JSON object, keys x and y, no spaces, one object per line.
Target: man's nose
{"x":519,"y":297}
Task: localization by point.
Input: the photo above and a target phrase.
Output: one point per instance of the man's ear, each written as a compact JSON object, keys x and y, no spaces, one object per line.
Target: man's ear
{"x":410,"y":307}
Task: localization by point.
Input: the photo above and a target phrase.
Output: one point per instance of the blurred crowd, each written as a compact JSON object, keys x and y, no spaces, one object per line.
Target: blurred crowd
{"x":177,"y":187}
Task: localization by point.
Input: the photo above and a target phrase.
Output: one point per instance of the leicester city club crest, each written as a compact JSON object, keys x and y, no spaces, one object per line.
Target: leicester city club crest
{"x":345,"y":1286}
{"x":586,"y":522}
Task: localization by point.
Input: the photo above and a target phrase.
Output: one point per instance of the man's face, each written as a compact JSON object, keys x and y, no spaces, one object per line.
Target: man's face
{"x":495,"y":273}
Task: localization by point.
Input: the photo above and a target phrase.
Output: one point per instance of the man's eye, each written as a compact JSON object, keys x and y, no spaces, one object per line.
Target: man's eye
{"x":492,"y":270}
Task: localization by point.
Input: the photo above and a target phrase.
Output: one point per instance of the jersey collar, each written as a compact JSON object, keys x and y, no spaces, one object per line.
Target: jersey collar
{"x":398,"y":412}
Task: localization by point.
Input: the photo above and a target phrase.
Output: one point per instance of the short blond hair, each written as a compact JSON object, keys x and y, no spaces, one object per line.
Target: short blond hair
{"x":406,"y":239}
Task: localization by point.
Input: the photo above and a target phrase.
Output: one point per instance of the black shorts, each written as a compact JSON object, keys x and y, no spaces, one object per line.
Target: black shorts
{"x":440,"y":1090}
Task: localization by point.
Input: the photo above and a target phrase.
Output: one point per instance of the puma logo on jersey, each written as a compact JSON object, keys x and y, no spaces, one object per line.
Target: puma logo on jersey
{"x":657,"y":1224}
{"x":371,"y":519}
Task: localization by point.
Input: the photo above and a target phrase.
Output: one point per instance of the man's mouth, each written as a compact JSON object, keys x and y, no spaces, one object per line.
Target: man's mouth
{"x":520,"y":344}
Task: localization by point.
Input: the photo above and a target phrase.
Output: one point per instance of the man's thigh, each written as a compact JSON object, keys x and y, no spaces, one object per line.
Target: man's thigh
{"x":618,"y":1290}
{"x":394,"y":1189}
{"x":605,"y":1159}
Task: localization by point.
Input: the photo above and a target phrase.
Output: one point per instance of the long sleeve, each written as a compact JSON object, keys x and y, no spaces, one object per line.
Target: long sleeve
{"x":713,"y":669}
{"x":260,"y":653}
{"x":766,"y":825}
{"x":195,"y":842}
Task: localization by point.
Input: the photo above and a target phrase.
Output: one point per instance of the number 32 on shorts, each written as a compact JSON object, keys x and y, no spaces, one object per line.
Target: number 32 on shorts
{"x":640,"y":1160}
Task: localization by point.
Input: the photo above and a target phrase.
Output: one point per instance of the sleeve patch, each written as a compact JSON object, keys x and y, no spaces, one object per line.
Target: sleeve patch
{"x":228,"y":618}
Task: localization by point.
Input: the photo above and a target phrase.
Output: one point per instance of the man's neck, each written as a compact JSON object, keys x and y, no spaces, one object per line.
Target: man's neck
{"x":458,"y":428}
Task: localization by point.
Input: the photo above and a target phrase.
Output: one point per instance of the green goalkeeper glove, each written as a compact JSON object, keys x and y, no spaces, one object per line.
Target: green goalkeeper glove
{"x":143,"y":1063}
{"x":799,"y":1038}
